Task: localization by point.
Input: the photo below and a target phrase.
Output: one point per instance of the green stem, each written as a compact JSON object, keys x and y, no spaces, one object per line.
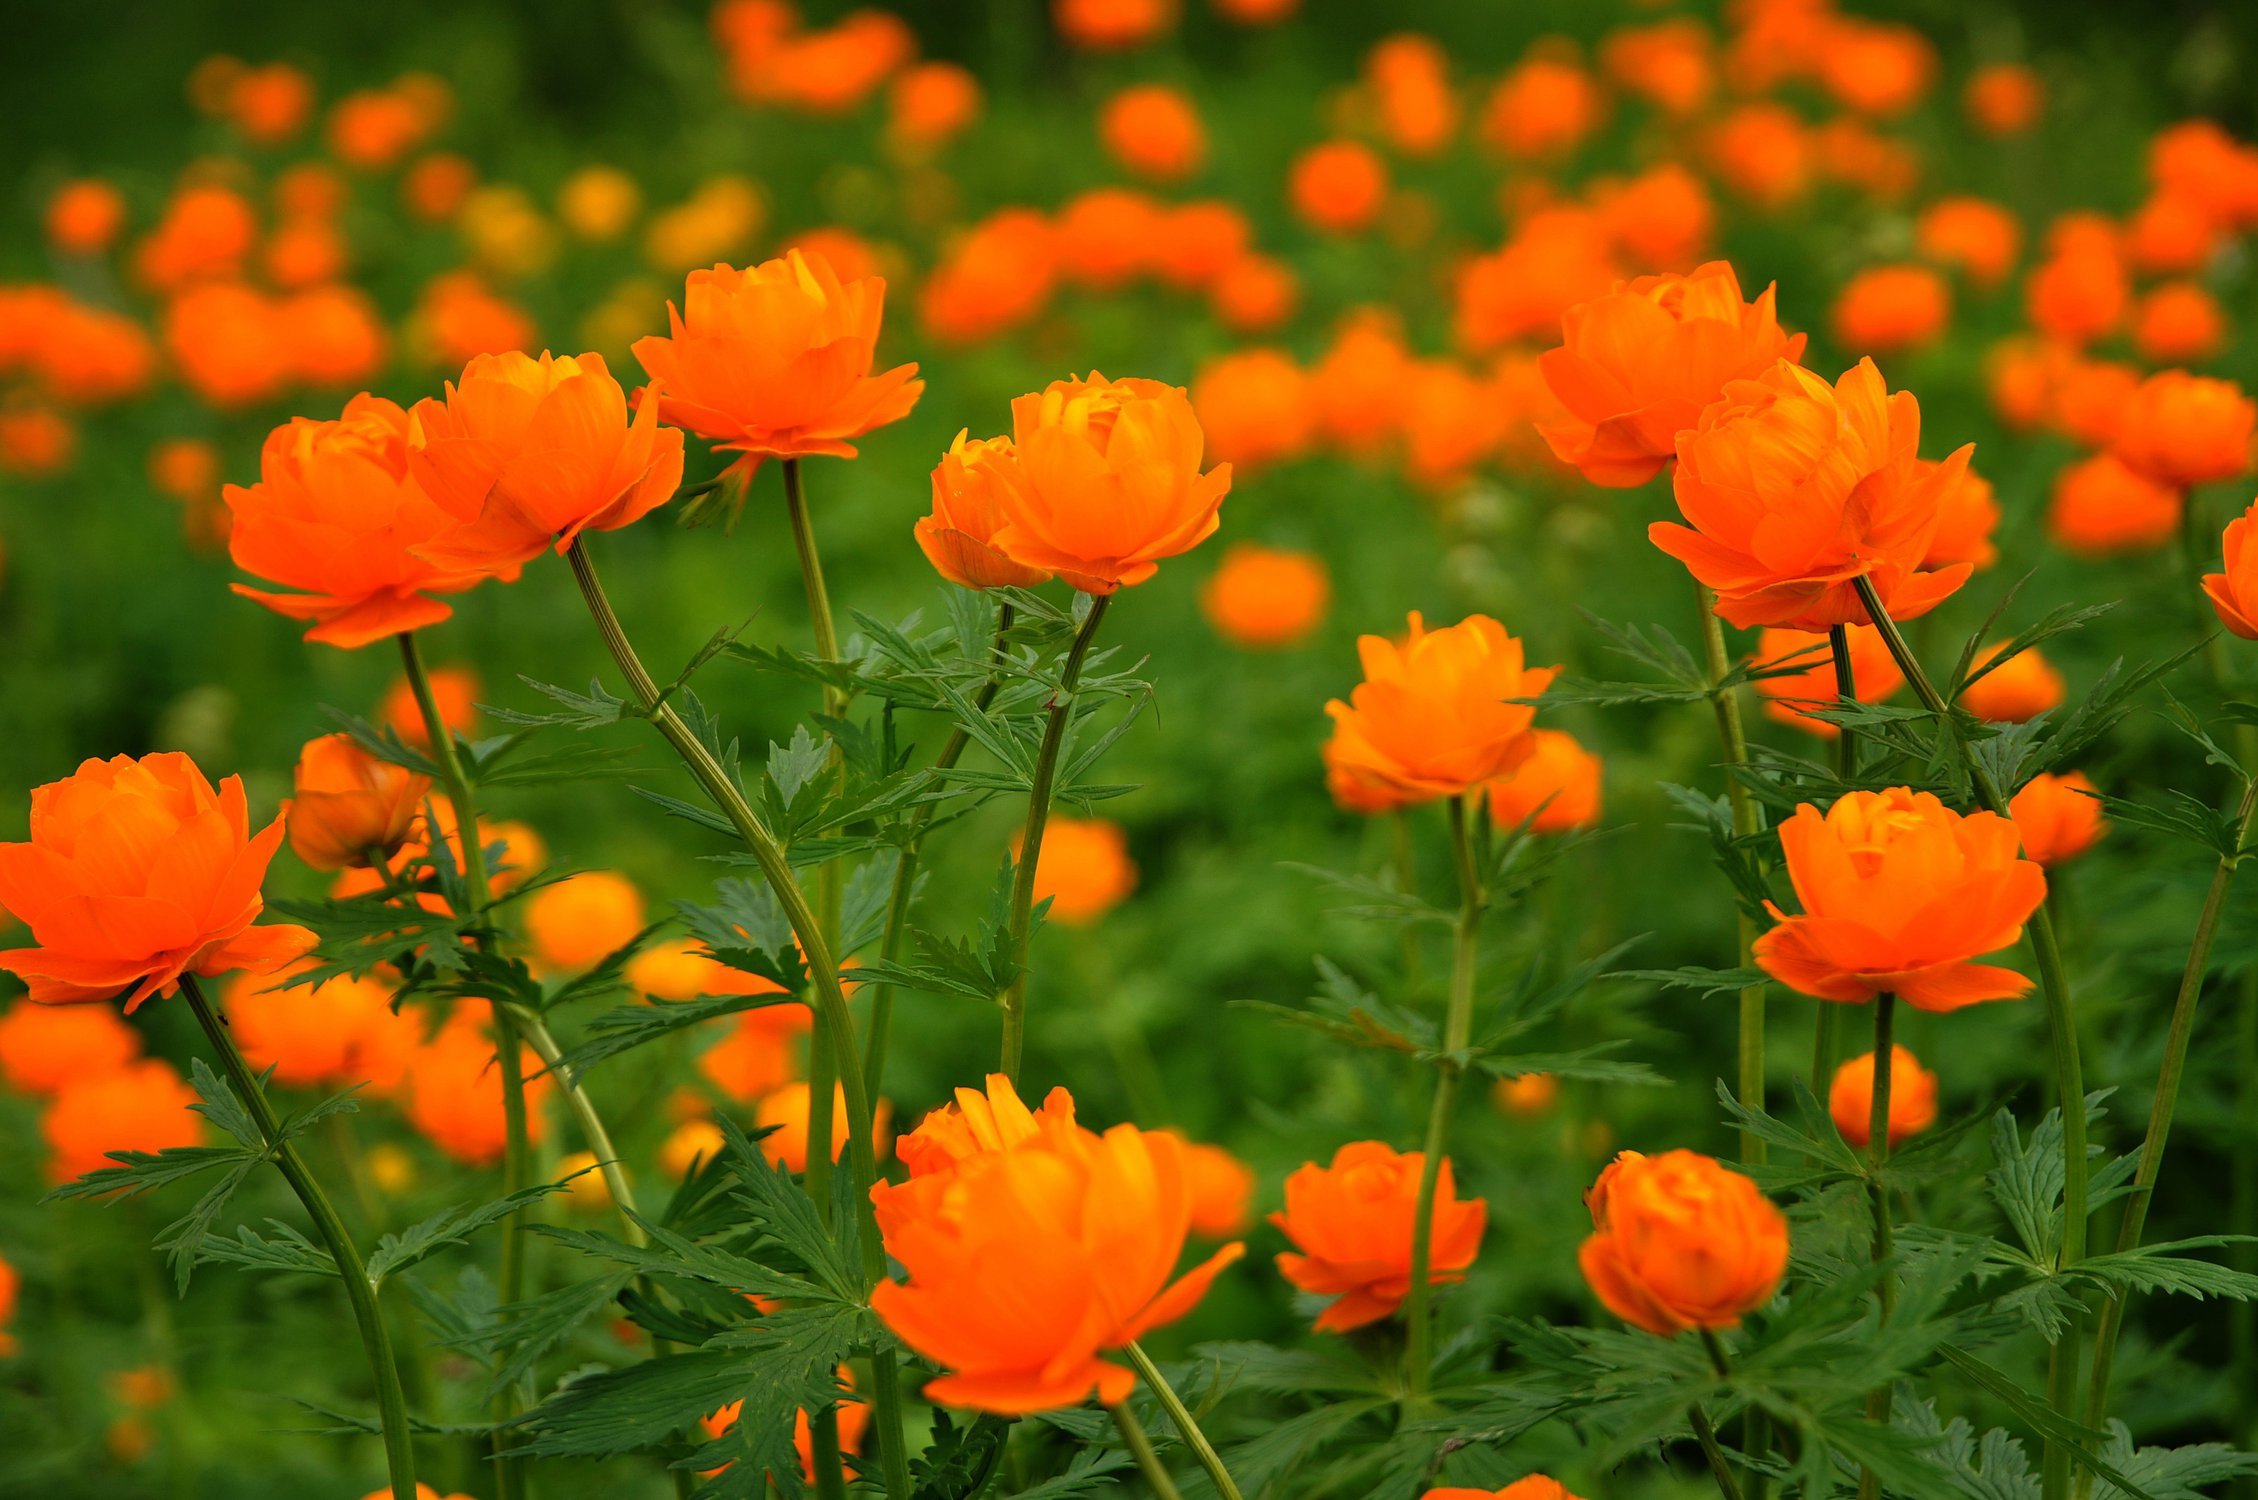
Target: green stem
{"x":509,"y":1477}
{"x":1877,"y":1192}
{"x":1748,"y":821}
{"x":1141,"y":1447}
{"x":830,"y":1465}
{"x":1031,"y":836}
{"x":811,"y":576}
{"x":1846,"y":691}
{"x":1186,"y":1427}
{"x":2062,"y":1027}
{"x":592,"y":1131}
{"x":1706,"y":1435}
{"x":1755,"y":1431}
{"x":1458,"y":1027}
{"x":2167,"y":1100}
{"x":376,"y":1339}
{"x":905,"y":869}
{"x":830,"y":999}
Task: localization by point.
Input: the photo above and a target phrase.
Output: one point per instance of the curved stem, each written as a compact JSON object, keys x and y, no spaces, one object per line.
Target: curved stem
{"x":592,"y":1132}
{"x":1031,"y":836}
{"x":509,"y":1476}
{"x":1458,"y":1027}
{"x":1846,"y":691}
{"x":2062,"y":1028}
{"x":376,"y":1339}
{"x":1719,"y":1469}
{"x":1141,"y":1447}
{"x":1877,"y":1191}
{"x":811,"y":576}
{"x":2167,"y":1100}
{"x":1748,"y":821}
{"x":829,"y":996}
{"x":905,"y":869}
{"x":1186,"y":1427}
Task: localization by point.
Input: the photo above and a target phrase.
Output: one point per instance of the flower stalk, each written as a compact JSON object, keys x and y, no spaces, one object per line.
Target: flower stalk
{"x":360,"y":1291}
{"x":1877,"y":1192}
{"x":1031,"y":835}
{"x":1748,"y":821}
{"x":1141,"y":1448}
{"x":1186,"y":1426}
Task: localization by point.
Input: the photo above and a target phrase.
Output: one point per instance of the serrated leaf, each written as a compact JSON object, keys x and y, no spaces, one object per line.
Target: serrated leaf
{"x":452,"y":1226}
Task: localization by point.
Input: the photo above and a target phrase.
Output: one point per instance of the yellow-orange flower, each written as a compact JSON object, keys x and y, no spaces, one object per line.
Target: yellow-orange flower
{"x":1794,"y":489}
{"x":1352,"y":1223}
{"x":1636,"y":367}
{"x":2057,"y":816}
{"x":976,"y":1123}
{"x":335,"y":1034}
{"x":337,"y":516}
{"x":1678,"y":1242}
{"x":1556,"y":790}
{"x":582,"y":919}
{"x":44,"y":1047}
{"x":350,"y":808}
{"x":2100,"y":507}
{"x":1108,"y":482}
{"x":1438,"y":715}
{"x":1083,"y":870}
{"x":2187,"y":429}
{"x":2016,"y":691}
{"x":776,"y":361}
{"x":2234,"y":592}
{"x":1025,"y":1266}
{"x":1222,"y":1189}
{"x":1913,"y":1098}
{"x":784,"y":1114}
{"x":1264,"y":598}
{"x":141,"y":1106}
{"x":959,"y":537}
{"x":1900,"y":894}
{"x":530,"y":452}
{"x":454,"y":1092}
{"x":137,"y":872}
{"x":1535,"y":1487}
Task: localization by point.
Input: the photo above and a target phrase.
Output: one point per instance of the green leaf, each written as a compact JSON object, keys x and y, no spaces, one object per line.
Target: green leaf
{"x":958,"y":1462}
{"x":2034,"y":1413}
{"x":628,"y":1027}
{"x":287,"y":1251}
{"x":2166,"y":1268}
{"x":703,"y":817}
{"x":627,"y":1410}
{"x":597,"y":708}
{"x":452,"y":1226}
{"x":791,"y":767}
{"x":525,"y":1332}
{"x":1703,"y":982}
{"x":142,"y":1171}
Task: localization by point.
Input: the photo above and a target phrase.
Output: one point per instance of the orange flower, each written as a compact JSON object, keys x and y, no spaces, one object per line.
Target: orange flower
{"x":1255,"y":407}
{"x":1975,"y":235}
{"x":335,"y":336}
{"x":1764,"y":152}
{"x":2234,"y":592}
{"x":1083,"y":869}
{"x":1108,"y":482}
{"x":1437,"y":716}
{"x":186,"y":470}
{"x":2016,"y":691}
{"x":1885,"y":309}
{"x":1154,"y":132}
{"x":454,"y":1092}
{"x":1264,"y":598}
{"x":1913,"y":1098}
{"x":1409,"y":76}
{"x":207,"y":230}
{"x":776,"y":361}
{"x":1104,"y":237}
{"x":44,"y":1047}
{"x":85,"y":216}
{"x":1795,"y":489}
{"x":784,"y":1114}
{"x":1542,"y":109}
{"x":1681,"y":1242}
{"x":2187,"y":429}
{"x":1352,"y":1225}
{"x":529,"y":452}
{"x":1556,"y":790}
{"x":690,"y":1143}
{"x":1637,"y":366}
{"x":1899,"y":894}
{"x":2091,"y":397}
{"x":348,"y":807}
{"x":996,"y":277}
{"x":854,"y":1422}
{"x":1790,"y":696}
{"x":759,"y":1055}
{"x":35,"y":441}
{"x":1257,"y":294}
{"x":582,"y":919}
{"x":454,"y":689}
{"x":1662,"y":219}
{"x":269,"y":105}
{"x":1024,"y":1266}
{"x":1358,"y":387}
{"x":1338,"y":187}
{"x":437,"y":186}
{"x":229,"y":343}
{"x":1967,"y":515}
{"x":373,"y":129}
{"x":1876,"y":69}
{"x":959,"y":537}
{"x":2003,"y":99}
{"x":2100,"y":507}
{"x":2021,"y":376}
{"x":1667,"y":63}
{"x":2179,"y":321}
{"x":1222,"y":1189}
{"x":1557,"y":257}
{"x":932,"y":103}
{"x":458,"y":319}
{"x":2172,"y":233}
{"x":141,"y":1106}
{"x":335,"y":1034}
{"x":1527,"y":1095}
{"x":1198,"y":241}
{"x":137,"y":872}
{"x":2058,"y":817}
{"x":977,"y":1123}
{"x":1112,"y":25}
{"x":2078,"y":294}
{"x":1535,"y":1487}
{"x":337,"y":515}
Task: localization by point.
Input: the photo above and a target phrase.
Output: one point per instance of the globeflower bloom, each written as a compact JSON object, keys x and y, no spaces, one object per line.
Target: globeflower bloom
{"x":142,"y":1106}
{"x":2234,"y":592}
{"x":1108,"y":482}
{"x":350,"y":808}
{"x":2100,"y":507}
{"x":1900,"y":894}
{"x":2058,"y":816}
{"x":454,"y":1092}
{"x":1680,"y":1242}
{"x":1255,"y":407}
{"x":583,"y":919}
{"x":1535,"y":1487}
{"x":1636,"y":367}
{"x":1795,"y":489}
{"x":1083,"y":869}
{"x":1266,"y":598}
{"x":44,"y":1047}
{"x":1025,"y":1266}
{"x":335,"y":1034}
{"x":1438,"y":715}
{"x":959,"y":537}
{"x":1556,"y":790}
{"x":337,"y":516}
{"x":527,"y":453}
{"x":1338,"y":187}
{"x":775,"y":362}
{"x":2014,"y":692}
{"x":1912,"y":1106}
{"x":1154,"y":131}
{"x":2187,"y":429}
{"x":1886,"y":309}
{"x":137,"y":872}
{"x":1791,"y":695}
{"x":977,"y":1122}
{"x":1352,"y":1223}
